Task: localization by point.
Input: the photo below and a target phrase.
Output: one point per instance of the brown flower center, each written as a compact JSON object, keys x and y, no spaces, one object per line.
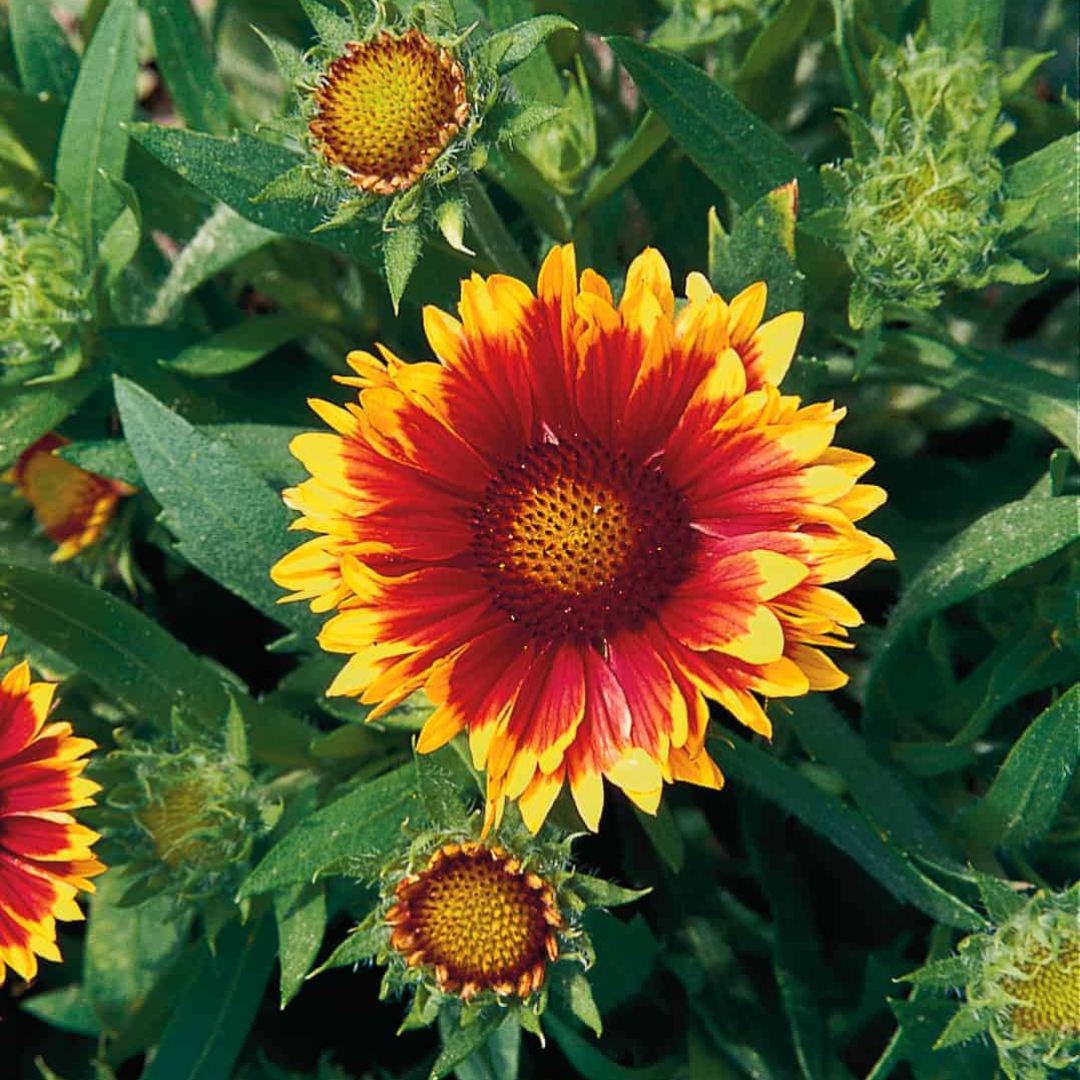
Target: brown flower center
{"x":478,"y":920}
{"x":388,"y":108}
{"x":577,"y":542}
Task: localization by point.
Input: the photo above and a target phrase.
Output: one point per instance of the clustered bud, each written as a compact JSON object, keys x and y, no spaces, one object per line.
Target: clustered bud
{"x":923,"y":201}
{"x":45,"y":297}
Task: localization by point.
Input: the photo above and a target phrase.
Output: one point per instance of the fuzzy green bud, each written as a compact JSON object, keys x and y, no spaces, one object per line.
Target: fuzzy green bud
{"x":923,"y":202}
{"x":45,"y":291}
{"x":185,"y":814}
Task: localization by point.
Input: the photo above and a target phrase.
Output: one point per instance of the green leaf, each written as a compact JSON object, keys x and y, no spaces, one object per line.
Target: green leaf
{"x":506,"y":49}
{"x":598,"y":892}
{"x":1050,"y":182}
{"x":127,"y":949}
{"x":122,"y":238}
{"x":738,"y":152}
{"x":28,"y":412}
{"x":362,"y":944}
{"x":498,"y":1058}
{"x":848,"y":831}
{"x":365,"y":821}
{"x":1023,"y":800}
{"x":626,"y":953}
{"x":93,"y":142}
{"x":401,"y":252}
{"x":636,"y":152}
{"x":106,"y":457}
{"x":879,"y":792}
{"x":127,"y":654}
{"x":993,"y":378}
{"x":761,"y":247}
{"x":238,"y":347}
{"x":998,"y":544}
{"x":211,"y":1019}
{"x":230,"y":524}
{"x":47,"y":63}
{"x":463,"y":1041}
{"x":951,"y":21}
{"x":797,"y":959}
{"x":591,"y":1062}
{"x":301,"y":921}
{"x":222,"y":239}
{"x":187,"y":66}
{"x":778,"y":39}
{"x":578,"y":996}
{"x":67,"y":1009}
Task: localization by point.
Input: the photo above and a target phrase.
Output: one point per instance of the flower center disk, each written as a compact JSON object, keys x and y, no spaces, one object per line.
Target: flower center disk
{"x":478,"y":920}
{"x":577,"y":542}
{"x":387,"y":109}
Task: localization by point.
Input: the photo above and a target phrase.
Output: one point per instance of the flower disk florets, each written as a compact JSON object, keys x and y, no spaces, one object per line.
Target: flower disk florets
{"x":924,"y":207}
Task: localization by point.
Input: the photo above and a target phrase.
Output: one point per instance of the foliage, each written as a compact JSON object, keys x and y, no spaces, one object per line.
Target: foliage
{"x":180,"y":270}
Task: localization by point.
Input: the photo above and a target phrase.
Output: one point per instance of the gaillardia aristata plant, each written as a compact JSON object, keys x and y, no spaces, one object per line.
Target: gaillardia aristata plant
{"x":578,"y":523}
{"x":394,"y":112}
{"x":46,"y":856}
{"x":1021,"y":986}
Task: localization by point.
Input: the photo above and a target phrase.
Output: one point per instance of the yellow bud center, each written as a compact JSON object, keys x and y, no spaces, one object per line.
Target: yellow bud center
{"x":1048,"y":991}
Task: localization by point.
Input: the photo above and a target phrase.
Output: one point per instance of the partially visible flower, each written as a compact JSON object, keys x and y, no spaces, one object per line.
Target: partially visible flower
{"x":923,"y":201}
{"x":73,"y":506}
{"x":185,"y":811}
{"x":1021,"y":986}
{"x":46,"y":856}
{"x":579,"y":523}
{"x":45,"y":296}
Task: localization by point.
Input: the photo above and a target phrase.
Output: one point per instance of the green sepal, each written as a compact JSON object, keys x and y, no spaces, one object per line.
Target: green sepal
{"x":508,"y":48}
{"x":597,"y":892}
{"x":334,"y":32}
{"x":512,"y":119}
{"x":1001,"y":901}
{"x":424,"y":1011}
{"x":970,"y":1022}
{"x":288,"y":58}
{"x":401,"y":252}
{"x":575,"y":991}
{"x":365,"y":942}
{"x":953,"y":971}
{"x":295,"y":183}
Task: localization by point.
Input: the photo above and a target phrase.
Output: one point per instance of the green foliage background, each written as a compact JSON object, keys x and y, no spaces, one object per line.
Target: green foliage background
{"x":863,"y":842}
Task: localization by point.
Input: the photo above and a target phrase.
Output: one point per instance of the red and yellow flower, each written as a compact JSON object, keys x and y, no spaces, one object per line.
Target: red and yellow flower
{"x":45,"y":854}
{"x":578,"y":523}
{"x":73,"y":506}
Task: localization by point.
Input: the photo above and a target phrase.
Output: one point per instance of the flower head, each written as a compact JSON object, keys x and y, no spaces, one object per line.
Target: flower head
{"x":45,"y":854}
{"x":387,"y":108}
{"x":577,"y":524}
{"x":73,"y":506}
{"x":478,"y":920}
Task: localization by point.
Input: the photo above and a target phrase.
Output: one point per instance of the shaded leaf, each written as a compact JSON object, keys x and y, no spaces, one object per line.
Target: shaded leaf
{"x":1024,"y":798}
{"x":28,"y":412}
{"x":47,"y":62}
{"x":738,"y":152}
{"x":187,"y":66}
{"x":301,"y":921}
{"x":210,"y":1022}
{"x":93,"y":142}
{"x":463,"y":1041}
{"x":237,"y":347}
{"x":230,"y":524}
